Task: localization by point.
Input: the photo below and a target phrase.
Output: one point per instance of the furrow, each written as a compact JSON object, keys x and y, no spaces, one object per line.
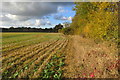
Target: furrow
{"x":21,"y":41}
{"x":25,"y":59}
{"x":36,"y":74}
{"x":27,"y":43}
{"x":26,"y":52}
{"x":38,"y":61}
{"x":27,"y":55}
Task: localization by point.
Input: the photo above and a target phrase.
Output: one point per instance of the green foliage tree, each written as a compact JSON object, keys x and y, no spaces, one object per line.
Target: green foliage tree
{"x":57,"y":27}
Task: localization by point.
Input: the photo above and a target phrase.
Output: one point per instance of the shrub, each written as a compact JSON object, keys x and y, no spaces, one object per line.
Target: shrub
{"x":67,"y":31}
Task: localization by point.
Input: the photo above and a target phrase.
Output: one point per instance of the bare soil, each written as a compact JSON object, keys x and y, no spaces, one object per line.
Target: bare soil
{"x":86,"y":59}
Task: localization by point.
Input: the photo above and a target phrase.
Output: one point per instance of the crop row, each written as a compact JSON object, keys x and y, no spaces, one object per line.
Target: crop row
{"x":23,"y":56}
{"x":17,"y":55}
{"x":37,"y":73}
{"x":13,"y":42}
{"x":26,"y":49}
{"x":53,"y":69}
{"x":15,"y":67}
{"x":35,"y":65}
{"x":22,"y":44}
{"x":38,"y":60}
{"x":20,"y":52}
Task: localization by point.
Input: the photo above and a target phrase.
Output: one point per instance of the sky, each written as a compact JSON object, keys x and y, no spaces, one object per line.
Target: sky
{"x":35,"y":14}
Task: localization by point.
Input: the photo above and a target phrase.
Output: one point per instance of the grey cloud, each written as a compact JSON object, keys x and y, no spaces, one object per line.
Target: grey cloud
{"x":38,"y":0}
{"x":8,"y":17}
{"x":30,"y":10}
{"x":4,"y":18}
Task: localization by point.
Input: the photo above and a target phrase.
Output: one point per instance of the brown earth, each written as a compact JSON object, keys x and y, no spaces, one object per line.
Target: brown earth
{"x":86,"y":59}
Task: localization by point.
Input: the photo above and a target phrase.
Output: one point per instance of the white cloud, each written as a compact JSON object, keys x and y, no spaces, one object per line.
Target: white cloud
{"x":11,"y":16}
{"x":1,"y":16}
{"x":37,"y":22}
{"x":27,"y":23}
{"x":66,"y":18}
{"x":60,"y":17}
{"x":60,"y":9}
{"x":41,"y":22}
{"x":70,"y":18}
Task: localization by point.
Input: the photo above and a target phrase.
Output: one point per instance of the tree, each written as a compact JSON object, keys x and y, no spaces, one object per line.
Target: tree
{"x":97,"y":20}
{"x":67,"y":31}
{"x":57,"y":27}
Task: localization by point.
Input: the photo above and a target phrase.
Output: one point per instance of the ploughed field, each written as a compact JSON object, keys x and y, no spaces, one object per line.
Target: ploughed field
{"x":32,"y":55}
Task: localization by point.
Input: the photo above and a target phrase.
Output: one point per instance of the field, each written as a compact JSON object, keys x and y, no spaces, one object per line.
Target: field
{"x":54,"y":55}
{"x":30,"y":55}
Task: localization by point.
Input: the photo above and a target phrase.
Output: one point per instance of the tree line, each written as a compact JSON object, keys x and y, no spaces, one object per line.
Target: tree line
{"x":96,"y":20}
{"x":29,"y":29}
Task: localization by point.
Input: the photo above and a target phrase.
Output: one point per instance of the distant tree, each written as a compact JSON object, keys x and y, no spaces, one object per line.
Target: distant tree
{"x":57,"y":27}
{"x":27,"y":29}
{"x":11,"y":27}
